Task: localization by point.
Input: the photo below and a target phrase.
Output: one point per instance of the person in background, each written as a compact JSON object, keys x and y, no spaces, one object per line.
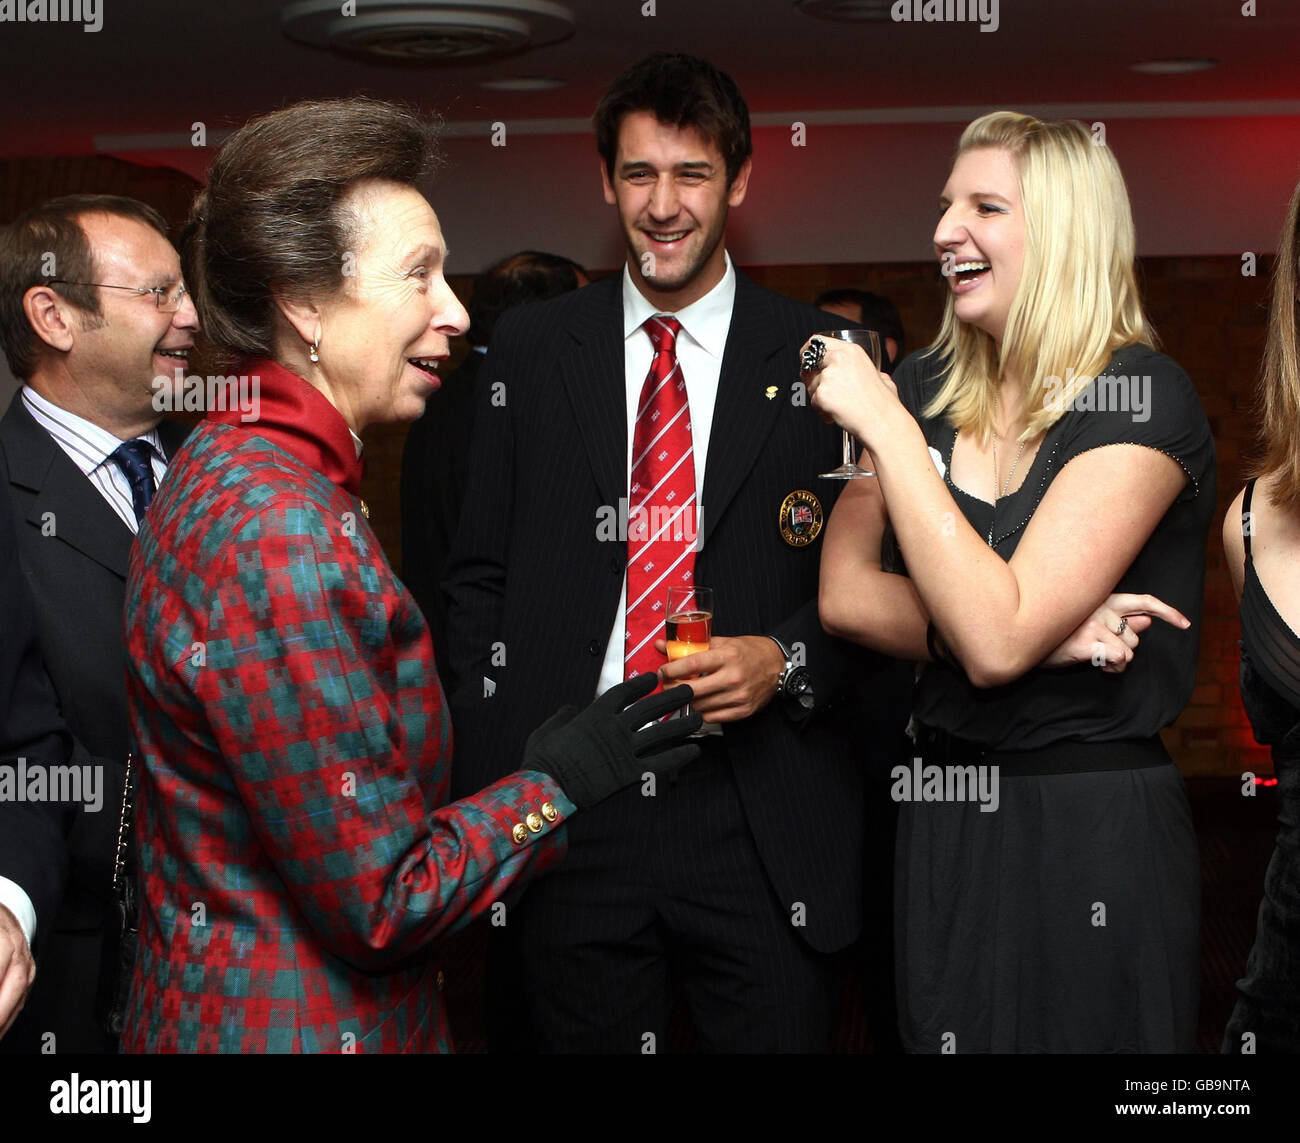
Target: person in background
{"x":872,"y":311}
{"x":92,"y":309}
{"x":1261,"y":539}
{"x":1040,"y":456}
{"x":298,"y":854}
{"x":435,"y":458}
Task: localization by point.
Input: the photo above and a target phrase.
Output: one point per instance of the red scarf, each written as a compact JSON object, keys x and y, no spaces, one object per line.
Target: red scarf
{"x":297,"y":417}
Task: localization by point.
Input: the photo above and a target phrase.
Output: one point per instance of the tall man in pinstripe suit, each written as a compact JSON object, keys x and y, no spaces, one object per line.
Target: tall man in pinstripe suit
{"x":91,"y":310}
{"x":745,"y":874}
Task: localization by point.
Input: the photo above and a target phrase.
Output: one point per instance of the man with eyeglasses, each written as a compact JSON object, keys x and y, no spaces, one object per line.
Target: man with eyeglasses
{"x":92,"y":309}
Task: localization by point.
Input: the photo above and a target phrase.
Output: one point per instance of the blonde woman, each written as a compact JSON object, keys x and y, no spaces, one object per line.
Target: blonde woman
{"x":1261,"y":538}
{"x":1040,"y":455}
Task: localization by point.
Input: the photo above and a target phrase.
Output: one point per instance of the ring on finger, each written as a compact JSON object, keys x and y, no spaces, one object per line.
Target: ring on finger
{"x":1123,"y":625}
{"x":812,"y":357}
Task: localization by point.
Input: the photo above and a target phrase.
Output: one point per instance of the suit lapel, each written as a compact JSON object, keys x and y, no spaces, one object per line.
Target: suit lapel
{"x":743,"y":414}
{"x":592,"y":372}
{"x":64,"y":497}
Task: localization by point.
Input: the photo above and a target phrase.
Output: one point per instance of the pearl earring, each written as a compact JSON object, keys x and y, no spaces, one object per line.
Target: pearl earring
{"x":313,"y":353}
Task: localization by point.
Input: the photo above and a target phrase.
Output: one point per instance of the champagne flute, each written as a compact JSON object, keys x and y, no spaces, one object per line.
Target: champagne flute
{"x":870,"y":343}
{"x":688,"y":623}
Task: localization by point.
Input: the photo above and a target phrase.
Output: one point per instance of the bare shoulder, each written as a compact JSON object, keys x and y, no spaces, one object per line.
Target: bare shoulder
{"x":1273,"y":528}
{"x":1234,"y":546}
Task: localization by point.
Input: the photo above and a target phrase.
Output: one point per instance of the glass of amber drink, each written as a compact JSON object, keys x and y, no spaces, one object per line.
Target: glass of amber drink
{"x":689,"y":622}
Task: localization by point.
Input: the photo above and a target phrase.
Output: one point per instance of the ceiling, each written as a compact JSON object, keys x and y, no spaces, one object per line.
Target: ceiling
{"x":157,"y":67}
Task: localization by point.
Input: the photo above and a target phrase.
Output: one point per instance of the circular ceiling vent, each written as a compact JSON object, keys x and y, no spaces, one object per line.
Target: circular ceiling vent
{"x":427,"y":31}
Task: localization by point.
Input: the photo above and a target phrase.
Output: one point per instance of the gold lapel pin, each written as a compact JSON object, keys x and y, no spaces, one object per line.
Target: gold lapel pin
{"x":771,"y":392}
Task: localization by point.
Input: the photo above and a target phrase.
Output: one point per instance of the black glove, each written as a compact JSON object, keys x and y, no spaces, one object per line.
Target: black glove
{"x":597,"y":751}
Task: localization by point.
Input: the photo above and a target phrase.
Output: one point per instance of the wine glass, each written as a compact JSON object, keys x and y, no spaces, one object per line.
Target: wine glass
{"x":688,"y":623}
{"x":870,"y":343}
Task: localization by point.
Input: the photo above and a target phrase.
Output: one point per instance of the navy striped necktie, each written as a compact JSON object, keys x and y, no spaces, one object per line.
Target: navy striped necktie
{"x":134,"y":458}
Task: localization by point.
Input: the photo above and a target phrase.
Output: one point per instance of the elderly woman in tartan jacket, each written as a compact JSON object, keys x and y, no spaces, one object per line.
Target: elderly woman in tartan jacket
{"x":297,"y":855}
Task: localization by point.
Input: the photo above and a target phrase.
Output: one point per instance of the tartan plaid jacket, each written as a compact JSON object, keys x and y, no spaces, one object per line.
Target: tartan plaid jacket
{"x":297,"y":855}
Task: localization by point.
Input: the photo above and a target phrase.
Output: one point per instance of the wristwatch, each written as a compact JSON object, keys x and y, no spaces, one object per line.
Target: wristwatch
{"x":794,"y":682}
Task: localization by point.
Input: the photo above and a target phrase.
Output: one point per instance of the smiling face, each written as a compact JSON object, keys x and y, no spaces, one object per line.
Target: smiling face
{"x":116,"y":356}
{"x":981,"y":237}
{"x":383,"y":336}
{"x":670,"y":187}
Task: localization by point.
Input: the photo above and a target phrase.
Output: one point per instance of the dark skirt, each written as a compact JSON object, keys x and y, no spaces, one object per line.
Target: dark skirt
{"x":1065,"y":921}
{"x":1268,"y":1004}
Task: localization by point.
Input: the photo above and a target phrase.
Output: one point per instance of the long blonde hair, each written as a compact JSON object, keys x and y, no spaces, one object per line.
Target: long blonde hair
{"x":1279,"y":382}
{"x":1077,"y":300}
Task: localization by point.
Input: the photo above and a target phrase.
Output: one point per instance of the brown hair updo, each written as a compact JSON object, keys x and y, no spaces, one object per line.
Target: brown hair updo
{"x":271,"y":219}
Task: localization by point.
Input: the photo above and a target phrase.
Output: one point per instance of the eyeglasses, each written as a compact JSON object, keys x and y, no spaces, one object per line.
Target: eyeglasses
{"x":167,"y":298}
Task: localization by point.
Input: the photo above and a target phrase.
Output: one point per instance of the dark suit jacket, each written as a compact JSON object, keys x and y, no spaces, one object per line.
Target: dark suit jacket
{"x":533,"y":589}
{"x":435,"y":467}
{"x":77,"y":575}
{"x":32,"y":849}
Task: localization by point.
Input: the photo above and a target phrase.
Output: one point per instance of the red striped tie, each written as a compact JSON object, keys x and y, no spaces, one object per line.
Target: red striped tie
{"x":661,"y":500}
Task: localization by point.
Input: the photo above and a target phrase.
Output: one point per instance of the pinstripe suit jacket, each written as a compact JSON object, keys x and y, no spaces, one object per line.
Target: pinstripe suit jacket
{"x":296,"y":852}
{"x":533,"y":588}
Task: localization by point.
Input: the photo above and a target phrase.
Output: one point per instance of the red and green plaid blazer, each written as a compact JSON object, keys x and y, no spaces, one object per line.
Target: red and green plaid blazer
{"x":297,"y":854}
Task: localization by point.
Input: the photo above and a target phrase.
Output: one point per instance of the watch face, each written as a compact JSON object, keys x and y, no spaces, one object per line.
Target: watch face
{"x":800,"y":680}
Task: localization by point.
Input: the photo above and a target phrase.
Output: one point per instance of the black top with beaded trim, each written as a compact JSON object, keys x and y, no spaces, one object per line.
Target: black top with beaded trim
{"x":1142,"y":397}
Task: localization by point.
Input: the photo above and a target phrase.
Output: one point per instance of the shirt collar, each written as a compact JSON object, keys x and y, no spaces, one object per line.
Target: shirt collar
{"x":93,"y":443}
{"x":706,"y":320}
{"x":300,"y":419}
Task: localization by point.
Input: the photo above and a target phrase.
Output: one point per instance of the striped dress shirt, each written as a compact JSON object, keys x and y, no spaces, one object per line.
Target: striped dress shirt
{"x":89,"y":448}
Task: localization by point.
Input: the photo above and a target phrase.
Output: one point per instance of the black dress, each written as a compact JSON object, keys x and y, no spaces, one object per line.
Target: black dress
{"x":1067,"y":920}
{"x":1269,"y":1002}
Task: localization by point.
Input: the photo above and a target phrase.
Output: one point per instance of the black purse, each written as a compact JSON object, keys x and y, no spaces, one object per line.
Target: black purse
{"x":122,"y":929}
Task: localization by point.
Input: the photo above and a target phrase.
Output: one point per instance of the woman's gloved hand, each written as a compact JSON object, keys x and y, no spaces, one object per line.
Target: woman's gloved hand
{"x":596,"y":752}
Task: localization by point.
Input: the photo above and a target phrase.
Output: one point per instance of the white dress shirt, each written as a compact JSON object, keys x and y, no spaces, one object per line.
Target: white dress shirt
{"x":700,"y":343}
{"x":14,"y":898}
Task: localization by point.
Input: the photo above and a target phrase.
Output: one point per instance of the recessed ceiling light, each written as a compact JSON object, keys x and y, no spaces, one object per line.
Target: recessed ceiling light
{"x":846,"y":11}
{"x":523,"y":83}
{"x":1174,"y":66}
